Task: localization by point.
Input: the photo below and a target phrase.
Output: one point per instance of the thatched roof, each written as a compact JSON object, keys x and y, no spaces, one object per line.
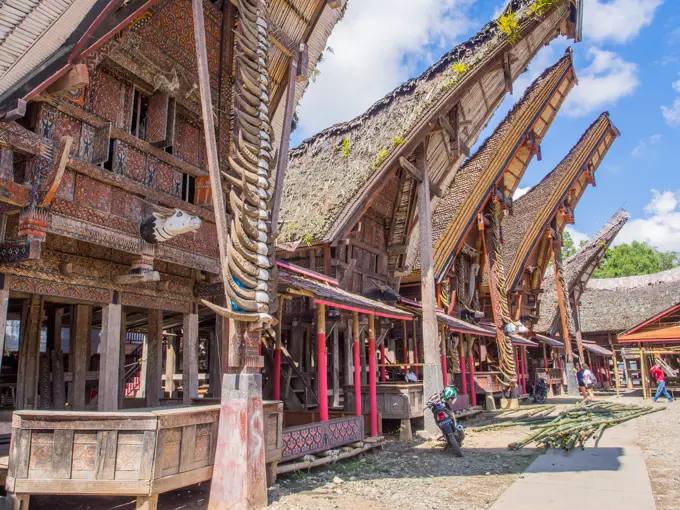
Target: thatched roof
{"x":533,"y":212}
{"x":503,"y":150}
{"x":577,"y":271}
{"x":613,"y":305}
{"x":333,"y":174}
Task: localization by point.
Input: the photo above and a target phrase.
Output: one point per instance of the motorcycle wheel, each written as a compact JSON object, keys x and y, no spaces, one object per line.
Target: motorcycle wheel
{"x":451,"y":438}
{"x":540,"y":398}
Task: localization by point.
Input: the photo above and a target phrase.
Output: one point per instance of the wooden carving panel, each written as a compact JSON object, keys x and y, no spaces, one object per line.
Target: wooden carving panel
{"x":157,"y":121}
{"x":100,"y":144}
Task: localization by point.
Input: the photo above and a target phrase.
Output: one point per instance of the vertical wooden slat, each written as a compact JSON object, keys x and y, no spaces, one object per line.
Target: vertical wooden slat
{"x":109,"y":370}
{"x":21,"y":448}
{"x":190,"y":358}
{"x":154,"y":359}
{"x":170,"y":366}
{"x":80,"y":328}
{"x":62,"y":455}
{"x":105,"y":455}
{"x":187,"y":448}
{"x":29,"y":351}
{"x":4,"y":299}
{"x":121,"y":365}
{"x":152,"y":456}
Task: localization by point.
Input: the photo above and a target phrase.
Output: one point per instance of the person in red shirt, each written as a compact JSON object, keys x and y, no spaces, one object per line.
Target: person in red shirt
{"x":660,"y":383}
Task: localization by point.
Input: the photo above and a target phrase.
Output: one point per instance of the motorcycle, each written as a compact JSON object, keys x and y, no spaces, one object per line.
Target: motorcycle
{"x":540,"y":390}
{"x":440,"y":405}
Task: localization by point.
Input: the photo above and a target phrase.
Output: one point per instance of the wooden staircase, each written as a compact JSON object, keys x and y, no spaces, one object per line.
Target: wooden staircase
{"x":297,"y":390}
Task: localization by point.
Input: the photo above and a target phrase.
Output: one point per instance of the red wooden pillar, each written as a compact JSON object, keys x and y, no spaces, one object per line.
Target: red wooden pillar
{"x":471,"y":366}
{"x":372,"y":383}
{"x":357,"y":364}
{"x":405,"y":333}
{"x":383,"y":368}
{"x":321,"y":361}
{"x":461,"y":360}
{"x":545,"y":356}
{"x":415,"y":348}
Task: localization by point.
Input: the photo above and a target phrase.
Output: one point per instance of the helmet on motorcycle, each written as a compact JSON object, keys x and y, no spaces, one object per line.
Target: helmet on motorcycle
{"x":449,"y":392}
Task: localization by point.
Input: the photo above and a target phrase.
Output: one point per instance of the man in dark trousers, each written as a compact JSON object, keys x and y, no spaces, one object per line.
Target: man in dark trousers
{"x":660,"y":383}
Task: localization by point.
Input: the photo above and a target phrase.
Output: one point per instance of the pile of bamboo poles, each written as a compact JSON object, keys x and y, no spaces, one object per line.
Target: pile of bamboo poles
{"x":580,"y":423}
{"x":523,"y":417}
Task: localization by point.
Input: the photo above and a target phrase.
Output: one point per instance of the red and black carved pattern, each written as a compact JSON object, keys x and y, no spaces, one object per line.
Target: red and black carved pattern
{"x":15,"y":251}
{"x":303,"y":440}
{"x":345,"y":430}
{"x":59,"y":289}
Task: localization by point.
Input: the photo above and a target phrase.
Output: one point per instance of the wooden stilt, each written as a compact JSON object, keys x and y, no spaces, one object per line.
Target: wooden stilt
{"x":405,"y":345}
{"x":416,"y":369}
{"x":372,"y":383}
{"x":545,"y":356}
{"x":123,"y":344}
{"x":81,"y":322}
{"x":383,"y":362}
{"x":109,"y":369}
{"x":277,"y":354}
{"x":154,"y":360}
{"x":4,"y":300}
{"x":471,"y":367}
{"x":525,"y":369}
{"x":461,"y":360}
{"x":335,"y":370}
{"x":643,"y":373}
{"x":190,"y":357}
{"x":348,"y":347}
{"x":357,"y":364}
{"x":616,"y":364}
{"x":442,"y":334}
{"x":170,"y":366}
{"x":147,"y":502}
{"x":321,"y":362}
{"x":362,"y":355}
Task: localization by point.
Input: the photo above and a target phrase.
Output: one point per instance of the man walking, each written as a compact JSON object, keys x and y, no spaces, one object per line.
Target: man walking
{"x":660,"y":383}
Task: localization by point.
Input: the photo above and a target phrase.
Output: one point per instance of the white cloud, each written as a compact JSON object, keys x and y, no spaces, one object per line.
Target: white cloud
{"x":520,"y":192}
{"x":672,"y":113}
{"x":617,"y":20}
{"x":644,"y":144}
{"x":676,"y":85}
{"x":661,"y":227}
{"x":576,"y":235}
{"x":606,"y":80}
{"x":376,"y":47}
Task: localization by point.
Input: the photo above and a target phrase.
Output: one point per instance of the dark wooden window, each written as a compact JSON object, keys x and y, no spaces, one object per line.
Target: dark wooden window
{"x":188,"y":188}
{"x":140,"y":114}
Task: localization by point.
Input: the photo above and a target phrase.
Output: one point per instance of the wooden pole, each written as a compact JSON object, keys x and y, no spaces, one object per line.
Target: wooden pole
{"x":277,"y":353}
{"x":471,"y":369}
{"x":525,"y":369}
{"x":348,"y":347}
{"x":572,"y":385}
{"x":109,"y":368}
{"x":383,"y":367}
{"x":372,"y":385}
{"x":432,"y":376}
{"x":335,"y":355}
{"x":80,"y":326}
{"x":442,"y":334}
{"x":461,"y":359}
{"x":190,"y":356}
{"x":170,"y":366}
{"x":643,"y":372}
{"x":362,"y":356}
{"x":4,"y":300}
{"x":415,"y":347}
{"x":357,"y":364}
{"x":545,"y":356}
{"x":322,"y":382}
{"x":616,"y":364}
{"x":123,"y":338}
{"x":154,"y":360}
{"x":405,"y":345}
{"x":575,"y":312}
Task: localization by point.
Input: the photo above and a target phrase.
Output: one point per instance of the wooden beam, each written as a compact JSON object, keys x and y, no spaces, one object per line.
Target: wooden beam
{"x":12,"y":110}
{"x":507,"y":72}
{"x":411,"y":168}
{"x":153,"y":362}
{"x":77,"y":77}
{"x":58,"y":167}
{"x":109,"y":369}
{"x":4,"y":300}
{"x":81,"y":323}
{"x":303,"y":63}
{"x":190,"y":357}
{"x":209,"y":129}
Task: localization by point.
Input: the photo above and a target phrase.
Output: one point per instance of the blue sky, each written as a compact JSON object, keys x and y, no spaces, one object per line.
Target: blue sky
{"x":628,"y":64}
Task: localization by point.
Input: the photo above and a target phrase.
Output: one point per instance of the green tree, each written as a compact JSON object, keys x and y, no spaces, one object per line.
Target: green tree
{"x":568,"y":247}
{"x":635,"y":259}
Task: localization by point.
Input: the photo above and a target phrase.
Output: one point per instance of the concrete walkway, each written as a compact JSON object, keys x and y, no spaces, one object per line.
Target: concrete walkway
{"x":613,"y":475}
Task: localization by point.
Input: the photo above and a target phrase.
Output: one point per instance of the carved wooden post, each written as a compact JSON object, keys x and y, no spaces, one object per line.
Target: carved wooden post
{"x":372,"y":382}
{"x":190,"y":356}
{"x":154,"y":361}
{"x":357,"y":364}
{"x":29,"y":351}
{"x":432,"y":376}
{"x":80,"y":327}
{"x":576,"y":317}
{"x":123,"y":343}
{"x":565,"y":316}
{"x":109,"y":369}
{"x":322,"y":369}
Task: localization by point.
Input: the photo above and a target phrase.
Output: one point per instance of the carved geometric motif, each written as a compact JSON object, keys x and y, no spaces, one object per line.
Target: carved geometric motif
{"x":6,"y":164}
{"x":68,"y":126}
{"x":86,"y":142}
{"x":59,"y":289}
{"x":107,"y":93}
{"x":83,"y":457}
{"x":93,"y":193}
{"x":67,"y":187}
{"x":128,"y":457}
{"x":345,"y":430}
{"x":135,"y":168}
{"x":120,"y":153}
{"x":48,"y":119}
{"x":315,"y":437}
{"x":187,"y":142}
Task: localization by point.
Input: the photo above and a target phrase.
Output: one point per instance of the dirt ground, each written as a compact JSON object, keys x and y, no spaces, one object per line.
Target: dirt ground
{"x":423,"y":475}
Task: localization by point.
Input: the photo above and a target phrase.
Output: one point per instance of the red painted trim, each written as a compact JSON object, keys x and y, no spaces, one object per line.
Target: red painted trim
{"x":323,"y":375}
{"x":649,"y":340}
{"x":357,"y":378}
{"x":307,"y":272}
{"x":642,"y":325}
{"x":362,"y":310}
{"x":444,"y":370}
{"x":456,"y":329}
{"x":372,"y":386}
{"x":463,"y":379}
{"x":473,"y":392}
{"x":416,"y":370}
{"x":95,"y":24}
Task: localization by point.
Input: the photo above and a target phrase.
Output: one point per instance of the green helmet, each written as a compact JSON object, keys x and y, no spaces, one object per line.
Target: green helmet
{"x":449,"y":392}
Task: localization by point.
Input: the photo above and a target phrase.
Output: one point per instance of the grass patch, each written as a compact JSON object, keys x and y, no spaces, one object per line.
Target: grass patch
{"x":509,"y":25}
